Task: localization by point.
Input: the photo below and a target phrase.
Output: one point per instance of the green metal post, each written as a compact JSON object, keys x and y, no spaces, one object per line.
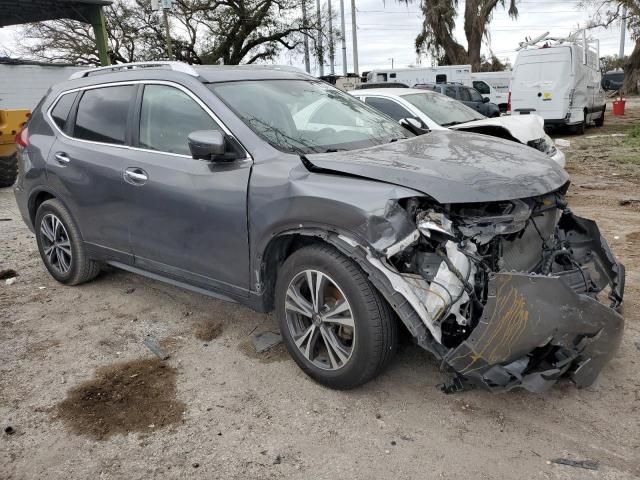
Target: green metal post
{"x":100,"y":29}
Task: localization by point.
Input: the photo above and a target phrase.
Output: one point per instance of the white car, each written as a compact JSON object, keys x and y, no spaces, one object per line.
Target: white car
{"x":438,"y":112}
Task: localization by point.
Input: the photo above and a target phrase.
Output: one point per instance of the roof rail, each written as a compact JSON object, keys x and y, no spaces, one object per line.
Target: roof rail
{"x":175,"y":66}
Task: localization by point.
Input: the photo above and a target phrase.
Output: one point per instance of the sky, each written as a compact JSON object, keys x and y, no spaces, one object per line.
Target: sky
{"x":387,"y":30}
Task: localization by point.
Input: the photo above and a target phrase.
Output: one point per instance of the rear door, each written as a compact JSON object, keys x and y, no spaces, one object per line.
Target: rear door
{"x":542,"y":81}
{"x":85,"y":163}
{"x":188,"y":217}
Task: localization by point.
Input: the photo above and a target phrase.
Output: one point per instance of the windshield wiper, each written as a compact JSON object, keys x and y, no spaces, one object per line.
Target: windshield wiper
{"x":450,"y":124}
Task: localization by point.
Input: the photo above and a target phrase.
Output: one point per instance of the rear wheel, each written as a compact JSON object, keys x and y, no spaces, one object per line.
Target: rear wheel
{"x":61,"y":247}
{"x":8,"y":170}
{"x":600,"y":121}
{"x":580,"y":128}
{"x":334,"y":323}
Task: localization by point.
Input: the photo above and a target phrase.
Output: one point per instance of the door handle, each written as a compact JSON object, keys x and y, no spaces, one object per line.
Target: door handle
{"x":62,"y":158}
{"x":136,"y":176}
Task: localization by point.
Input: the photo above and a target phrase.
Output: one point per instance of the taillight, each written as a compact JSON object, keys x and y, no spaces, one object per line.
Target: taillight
{"x":22,"y":138}
{"x":509,"y":103}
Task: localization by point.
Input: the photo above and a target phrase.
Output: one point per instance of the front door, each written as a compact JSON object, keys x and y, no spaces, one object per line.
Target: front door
{"x":188,"y":217}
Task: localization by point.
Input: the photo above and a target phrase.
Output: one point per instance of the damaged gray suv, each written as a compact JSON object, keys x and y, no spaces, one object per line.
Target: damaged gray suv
{"x":273,"y":189}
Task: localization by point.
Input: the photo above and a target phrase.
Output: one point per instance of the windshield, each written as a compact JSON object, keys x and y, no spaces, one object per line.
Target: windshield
{"x":443,"y":110}
{"x":307,"y":116}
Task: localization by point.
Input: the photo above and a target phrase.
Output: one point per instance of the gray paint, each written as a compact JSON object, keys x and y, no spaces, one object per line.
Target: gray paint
{"x":453,"y":167}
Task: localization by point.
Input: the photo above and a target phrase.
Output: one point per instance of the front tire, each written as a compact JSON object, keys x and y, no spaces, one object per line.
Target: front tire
{"x":61,"y":246}
{"x":335,"y":324}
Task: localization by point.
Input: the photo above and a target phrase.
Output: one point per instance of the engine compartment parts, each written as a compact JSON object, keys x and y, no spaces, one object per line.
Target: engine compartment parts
{"x":518,"y":293}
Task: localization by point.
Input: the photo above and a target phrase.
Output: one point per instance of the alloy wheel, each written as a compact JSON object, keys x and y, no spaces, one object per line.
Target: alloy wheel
{"x":56,"y":244}
{"x":320,"y":319}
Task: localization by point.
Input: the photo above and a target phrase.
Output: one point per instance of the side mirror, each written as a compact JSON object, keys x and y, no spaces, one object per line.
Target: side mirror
{"x":208,"y":145}
{"x":415,"y":126}
{"x":486,"y":100}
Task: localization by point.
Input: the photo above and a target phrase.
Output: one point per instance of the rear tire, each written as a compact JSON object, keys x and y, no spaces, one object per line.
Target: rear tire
{"x":61,"y":246}
{"x":580,"y":128}
{"x":8,"y":170}
{"x":600,"y":121}
{"x":366,"y":343}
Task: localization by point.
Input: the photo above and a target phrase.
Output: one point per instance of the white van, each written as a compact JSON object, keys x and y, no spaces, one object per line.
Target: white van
{"x":495,"y":85}
{"x":559,"y":82}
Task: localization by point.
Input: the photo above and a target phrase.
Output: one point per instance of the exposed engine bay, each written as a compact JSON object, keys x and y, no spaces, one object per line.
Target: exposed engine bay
{"x":516,"y":293}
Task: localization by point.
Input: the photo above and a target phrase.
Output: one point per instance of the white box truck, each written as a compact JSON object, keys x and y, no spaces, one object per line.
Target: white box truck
{"x":560,"y":81}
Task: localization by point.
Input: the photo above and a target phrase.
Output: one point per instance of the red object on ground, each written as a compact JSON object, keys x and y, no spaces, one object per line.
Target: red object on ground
{"x":618,"y":107}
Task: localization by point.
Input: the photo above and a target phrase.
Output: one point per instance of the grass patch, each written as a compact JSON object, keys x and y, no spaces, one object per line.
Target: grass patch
{"x":633,"y":138}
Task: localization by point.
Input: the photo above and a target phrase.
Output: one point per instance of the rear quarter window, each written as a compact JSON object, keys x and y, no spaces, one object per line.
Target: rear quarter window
{"x":60,"y":113}
{"x":103,"y":113}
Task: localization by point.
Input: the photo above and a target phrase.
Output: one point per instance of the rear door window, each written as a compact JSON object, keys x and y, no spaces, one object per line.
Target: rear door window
{"x":103,"y":113}
{"x":391,"y":108}
{"x":167,"y":117}
{"x":60,"y":112}
{"x":475,"y":96}
{"x":464,"y":95}
{"x":450,"y":92}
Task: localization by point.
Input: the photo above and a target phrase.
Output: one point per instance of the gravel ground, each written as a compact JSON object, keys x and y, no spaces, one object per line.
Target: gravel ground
{"x":86,"y":398}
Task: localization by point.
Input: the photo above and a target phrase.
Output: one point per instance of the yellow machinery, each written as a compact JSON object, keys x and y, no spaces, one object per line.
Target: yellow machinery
{"x":11,"y":121}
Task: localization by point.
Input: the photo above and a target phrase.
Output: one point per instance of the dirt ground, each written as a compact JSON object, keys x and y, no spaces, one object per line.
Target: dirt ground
{"x":85,"y":398}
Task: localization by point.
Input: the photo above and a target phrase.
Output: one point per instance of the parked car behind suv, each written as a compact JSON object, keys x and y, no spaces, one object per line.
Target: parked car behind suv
{"x":435,"y":111}
{"x":467,"y":95}
{"x":230,"y":182}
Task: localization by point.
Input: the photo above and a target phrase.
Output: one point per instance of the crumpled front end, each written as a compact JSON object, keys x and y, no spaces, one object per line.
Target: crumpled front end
{"x":518,"y":293}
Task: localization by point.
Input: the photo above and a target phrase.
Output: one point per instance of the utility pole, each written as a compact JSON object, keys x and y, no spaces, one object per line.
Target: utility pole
{"x":332,"y":56}
{"x":354,"y":34}
{"x":320,"y":45}
{"x":305,"y":25}
{"x":168,"y":34}
{"x":623,"y":32}
{"x":165,"y":6}
{"x":344,"y":40}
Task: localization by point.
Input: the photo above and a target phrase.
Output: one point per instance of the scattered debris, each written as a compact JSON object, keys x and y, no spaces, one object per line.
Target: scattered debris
{"x":561,"y":142}
{"x":10,"y":281}
{"x":595,"y":186}
{"x":9,"y":430}
{"x":135,"y":396}
{"x":130,"y":290}
{"x":629,"y":201}
{"x":638,"y":345}
{"x":587,"y":464}
{"x":5,"y":219}
{"x":153,"y":345}
{"x":8,"y":273}
{"x":264,"y":341}
{"x":277,"y":460}
{"x":195,"y":465}
{"x":207,"y":330}
{"x":393,"y":443}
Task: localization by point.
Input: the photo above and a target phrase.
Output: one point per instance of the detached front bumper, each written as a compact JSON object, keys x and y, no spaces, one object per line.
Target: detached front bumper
{"x":536,"y":329}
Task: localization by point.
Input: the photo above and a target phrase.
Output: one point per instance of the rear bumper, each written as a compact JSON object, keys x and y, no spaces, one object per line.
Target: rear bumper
{"x":537,"y":329}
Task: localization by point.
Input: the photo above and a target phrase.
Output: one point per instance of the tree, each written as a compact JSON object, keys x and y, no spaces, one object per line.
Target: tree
{"x":609,"y":12}
{"x":439,"y":23}
{"x":202,"y":31}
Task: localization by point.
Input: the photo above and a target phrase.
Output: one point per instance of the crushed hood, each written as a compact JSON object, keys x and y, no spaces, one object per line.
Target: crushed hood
{"x":523,"y":128}
{"x":452,"y":167}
